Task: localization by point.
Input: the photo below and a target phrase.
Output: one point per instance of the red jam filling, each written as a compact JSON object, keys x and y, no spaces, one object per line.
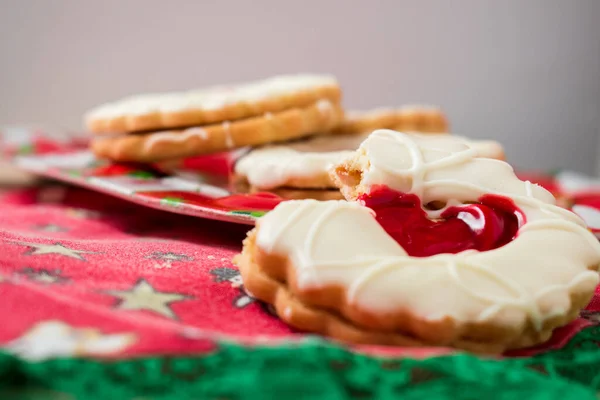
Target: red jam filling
{"x":488,"y":224}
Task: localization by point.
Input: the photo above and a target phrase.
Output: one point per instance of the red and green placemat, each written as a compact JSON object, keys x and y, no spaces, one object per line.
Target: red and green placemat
{"x":312,"y":371}
{"x":103,"y":299}
{"x":199,"y":187}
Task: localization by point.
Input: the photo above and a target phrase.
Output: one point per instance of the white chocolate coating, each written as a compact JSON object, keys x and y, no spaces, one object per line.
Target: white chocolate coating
{"x":340,"y":243}
{"x":211,"y":98}
{"x":272,"y":166}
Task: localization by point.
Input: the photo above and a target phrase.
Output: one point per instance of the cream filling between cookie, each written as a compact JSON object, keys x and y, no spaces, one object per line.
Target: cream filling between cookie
{"x":275,"y":165}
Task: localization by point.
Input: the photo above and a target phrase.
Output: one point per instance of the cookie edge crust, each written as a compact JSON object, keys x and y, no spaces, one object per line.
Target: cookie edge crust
{"x":162,"y":120}
{"x":270,"y":128}
{"x":270,"y":278}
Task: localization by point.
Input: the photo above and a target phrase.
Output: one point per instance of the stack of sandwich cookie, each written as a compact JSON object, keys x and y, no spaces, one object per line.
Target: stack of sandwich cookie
{"x":155,"y":127}
{"x":292,"y":130}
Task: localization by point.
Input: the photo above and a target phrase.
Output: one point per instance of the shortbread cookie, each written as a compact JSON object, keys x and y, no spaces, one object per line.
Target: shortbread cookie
{"x":495,"y":265}
{"x":298,"y":194}
{"x":415,"y":118}
{"x":290,"y":193}
{"x":211,"y":105}
{"x":305,"y":164}
{"x":239,"y":184}
{"x":294,"y":123}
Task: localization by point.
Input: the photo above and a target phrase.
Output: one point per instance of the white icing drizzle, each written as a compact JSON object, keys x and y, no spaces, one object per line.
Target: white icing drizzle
{"x":283,"y":227}
{"x":211,"y":98}
{"x":324,"y":106}
{"x":528,"y":279}
{"x":274,"y":165}
{"x":528,"y":189}
{"x":378,"y":268}
{"x":175,"y":136}
{"x":229,"y":142}
{"x":312,"y":233}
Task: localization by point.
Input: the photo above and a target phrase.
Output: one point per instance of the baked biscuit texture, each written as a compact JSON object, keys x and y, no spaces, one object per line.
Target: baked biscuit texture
{"x":293,"y":123}
{"x":270,"y":278}
{"x":211,"y":105}
{"x":409,"y":118}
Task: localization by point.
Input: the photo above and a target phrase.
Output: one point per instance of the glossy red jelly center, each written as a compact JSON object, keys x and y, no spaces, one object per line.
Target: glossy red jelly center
{"x":486,"y":225}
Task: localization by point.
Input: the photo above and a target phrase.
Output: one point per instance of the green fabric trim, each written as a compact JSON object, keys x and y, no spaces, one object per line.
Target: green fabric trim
{"x":26,"y":149}
{"x":313,"y":370}
{"x":171,"y":201}
{"x":141,"y":174}
{"x":256,"y":214}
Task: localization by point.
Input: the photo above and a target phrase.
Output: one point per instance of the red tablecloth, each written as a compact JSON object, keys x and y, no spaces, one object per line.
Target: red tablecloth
{"x":87,"y":274}
{"x":155,"y":296}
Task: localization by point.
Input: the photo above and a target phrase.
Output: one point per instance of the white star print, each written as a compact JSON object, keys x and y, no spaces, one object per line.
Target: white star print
{"x":51,"y":339}
{"x":144,"y":297}
{"x":43,"y":276}
{"x":55,"y":248}
{"x":50,"y":228}
{"x":169,"y":257}
{"x":595,"y":317}
{"x":158,"y":265}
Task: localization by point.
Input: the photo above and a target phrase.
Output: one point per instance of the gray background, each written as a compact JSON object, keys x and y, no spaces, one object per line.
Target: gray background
{"x":524,"y":72}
